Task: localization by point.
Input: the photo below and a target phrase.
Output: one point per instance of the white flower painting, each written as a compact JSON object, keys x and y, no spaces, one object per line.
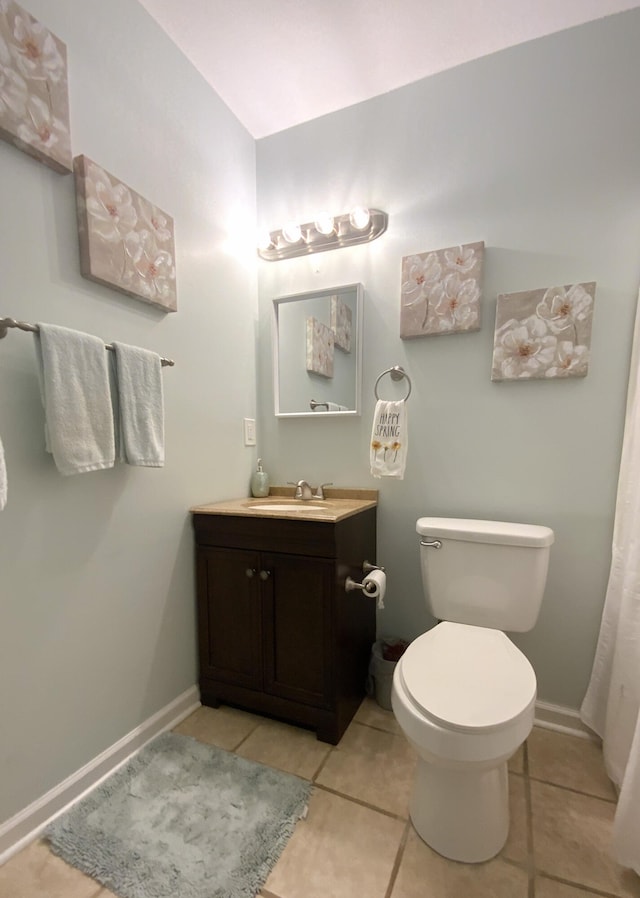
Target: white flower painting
{"x":441,"y":291}
{"x":34,"y":95}
{"x":125,"y":241}
{"x":320,"y":344}
{"x":341,"y":324}
{"x":543,"y":333}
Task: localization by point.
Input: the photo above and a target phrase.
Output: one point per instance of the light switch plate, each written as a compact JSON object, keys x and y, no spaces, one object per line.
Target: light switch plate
{"x":249,"y":432}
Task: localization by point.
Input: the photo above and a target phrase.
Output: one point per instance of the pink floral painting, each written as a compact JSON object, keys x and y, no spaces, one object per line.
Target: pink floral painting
{"x":543,"y":333}
{"x":34,"y":94}
{"x":125,"y":241}
{"x":320,"y":346}
{"x":441,"y":291}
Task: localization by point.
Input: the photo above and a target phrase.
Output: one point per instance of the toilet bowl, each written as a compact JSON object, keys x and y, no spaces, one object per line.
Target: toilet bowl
{"x":463,"y":693}
{"x":464,"y":697}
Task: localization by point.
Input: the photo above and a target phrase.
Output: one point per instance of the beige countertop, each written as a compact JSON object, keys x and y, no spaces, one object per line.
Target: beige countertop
{"x":338,"y":504}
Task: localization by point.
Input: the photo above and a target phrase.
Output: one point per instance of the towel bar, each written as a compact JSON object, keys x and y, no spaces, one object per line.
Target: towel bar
{"x":6,"y":323}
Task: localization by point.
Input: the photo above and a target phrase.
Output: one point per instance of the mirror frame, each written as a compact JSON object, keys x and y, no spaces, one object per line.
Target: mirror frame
{"x":359,"y":332}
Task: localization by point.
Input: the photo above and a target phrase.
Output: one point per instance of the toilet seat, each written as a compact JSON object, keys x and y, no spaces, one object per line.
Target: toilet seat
{"x":468,"y":679}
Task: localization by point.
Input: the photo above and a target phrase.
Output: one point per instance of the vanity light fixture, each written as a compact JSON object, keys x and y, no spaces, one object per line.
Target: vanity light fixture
{"x":360,"y":225}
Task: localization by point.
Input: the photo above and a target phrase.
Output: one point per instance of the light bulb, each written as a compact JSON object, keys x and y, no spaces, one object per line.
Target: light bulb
{"x":325,"y":224}
{"x":291,"y":232}
{"x":359,"y":218}
{"x":264,"y":240}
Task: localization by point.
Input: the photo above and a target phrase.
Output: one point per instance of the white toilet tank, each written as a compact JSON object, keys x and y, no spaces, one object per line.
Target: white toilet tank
{"x":485,"y":573}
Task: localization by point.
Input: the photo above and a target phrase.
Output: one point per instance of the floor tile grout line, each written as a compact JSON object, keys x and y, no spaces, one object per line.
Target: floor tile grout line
{"x":398,"y":860}
{"x":512,"y":862}
{"x":359,"y":801}
{"x":245,"y":737}
{"x":372,"y":726}
{"x":590,"y":890}
{"x":531,"y":858}
{"x":322,"y":764}
{"x":538,"y":779}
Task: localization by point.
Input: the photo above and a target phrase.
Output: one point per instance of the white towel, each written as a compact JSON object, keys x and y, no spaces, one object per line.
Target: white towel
{"x":3,"y":478}
{"x":334,"y":407}
{"x":141,"y":406}
{"x":389,"y":438}
{"x":74,"y":384}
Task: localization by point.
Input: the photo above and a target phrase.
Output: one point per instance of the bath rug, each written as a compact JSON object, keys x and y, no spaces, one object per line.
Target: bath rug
{"x":182,"y":819}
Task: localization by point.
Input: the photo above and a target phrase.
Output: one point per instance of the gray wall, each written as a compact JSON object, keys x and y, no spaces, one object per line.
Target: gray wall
{"x":97,"y":622}
{"x":535,"y":151}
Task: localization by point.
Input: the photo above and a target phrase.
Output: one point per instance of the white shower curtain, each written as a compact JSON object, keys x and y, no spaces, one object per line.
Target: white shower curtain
{"x":611,"y":706}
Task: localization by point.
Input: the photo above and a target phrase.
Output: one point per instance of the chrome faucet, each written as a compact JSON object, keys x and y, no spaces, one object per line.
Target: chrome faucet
{"x":303,"y":490}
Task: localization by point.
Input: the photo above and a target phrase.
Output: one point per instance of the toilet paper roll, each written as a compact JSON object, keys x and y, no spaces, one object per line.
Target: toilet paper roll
{"x":375,"y":585}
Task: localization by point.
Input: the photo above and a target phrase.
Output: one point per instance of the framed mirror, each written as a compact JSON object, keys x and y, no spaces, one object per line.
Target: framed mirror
{"x":317,"y":352}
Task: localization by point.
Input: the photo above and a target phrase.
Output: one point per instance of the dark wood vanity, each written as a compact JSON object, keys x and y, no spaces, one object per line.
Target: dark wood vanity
{"x":278,"y":634}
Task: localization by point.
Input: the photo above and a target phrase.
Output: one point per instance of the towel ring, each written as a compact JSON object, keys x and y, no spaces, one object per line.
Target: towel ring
{"x":397,"y":373}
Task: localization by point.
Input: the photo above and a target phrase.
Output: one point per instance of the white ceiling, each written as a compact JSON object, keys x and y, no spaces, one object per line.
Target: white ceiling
{"x":279,"y":63}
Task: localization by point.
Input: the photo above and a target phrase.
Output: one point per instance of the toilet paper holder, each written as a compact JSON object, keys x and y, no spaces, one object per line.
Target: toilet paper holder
{"x":350,"y":584}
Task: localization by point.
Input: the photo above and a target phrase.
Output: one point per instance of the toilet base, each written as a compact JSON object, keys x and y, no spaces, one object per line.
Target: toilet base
{"x":462,"y":814}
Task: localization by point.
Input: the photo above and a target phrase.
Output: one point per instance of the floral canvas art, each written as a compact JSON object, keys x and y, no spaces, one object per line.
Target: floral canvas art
{"x":34,"y":95}
{"x":320,"y":343}
{"x":543,"y":333}
{"x":441,"y":291}
{"x":125,"y":241}
{"x":341,"y":324}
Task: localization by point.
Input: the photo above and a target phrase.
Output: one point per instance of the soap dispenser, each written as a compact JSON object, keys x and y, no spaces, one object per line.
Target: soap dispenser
{"x":259,"y":482}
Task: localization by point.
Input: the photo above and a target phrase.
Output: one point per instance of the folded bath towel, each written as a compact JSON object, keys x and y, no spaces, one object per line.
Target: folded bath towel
{"x":141,"y":406}
{"x":389,"y":439}
{"x":3,"y":478}
{"x":74,"y":384}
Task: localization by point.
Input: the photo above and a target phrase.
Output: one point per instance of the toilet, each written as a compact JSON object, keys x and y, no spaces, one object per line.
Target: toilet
{"x":463,"y":693}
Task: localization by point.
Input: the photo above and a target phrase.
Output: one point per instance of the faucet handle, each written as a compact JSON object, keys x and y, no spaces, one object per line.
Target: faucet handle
{"x":298,"y":492}
{"x":320,"y":491}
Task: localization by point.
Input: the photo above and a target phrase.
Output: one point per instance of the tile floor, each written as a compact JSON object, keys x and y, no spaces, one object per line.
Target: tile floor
{"x":357,"y":840}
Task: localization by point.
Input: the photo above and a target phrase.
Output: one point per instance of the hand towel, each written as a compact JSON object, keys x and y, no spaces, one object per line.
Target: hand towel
{"x":389,"y":439}
{"x":3,"y":478}
{"x":335,"y":407}
{"x":140,"y":398}
{"x":74,"y":384}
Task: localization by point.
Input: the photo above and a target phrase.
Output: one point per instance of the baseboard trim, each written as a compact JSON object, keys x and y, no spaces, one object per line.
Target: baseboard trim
{"x":563,"y":720}
{"x":26,"y":825}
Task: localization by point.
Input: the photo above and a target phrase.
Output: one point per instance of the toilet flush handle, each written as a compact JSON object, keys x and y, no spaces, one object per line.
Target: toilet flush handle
{"x":431,"y":543}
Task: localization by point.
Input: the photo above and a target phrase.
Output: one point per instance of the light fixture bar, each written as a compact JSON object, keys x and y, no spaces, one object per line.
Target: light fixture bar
{"x":345,"y":233}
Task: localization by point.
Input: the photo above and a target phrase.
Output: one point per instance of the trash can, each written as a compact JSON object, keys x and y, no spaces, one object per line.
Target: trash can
{"x":385,"y":654}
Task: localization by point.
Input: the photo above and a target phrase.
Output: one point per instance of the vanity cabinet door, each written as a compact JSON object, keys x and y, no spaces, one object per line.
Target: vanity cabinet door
{"x":297,"y":621}
{"x":230,"y":616}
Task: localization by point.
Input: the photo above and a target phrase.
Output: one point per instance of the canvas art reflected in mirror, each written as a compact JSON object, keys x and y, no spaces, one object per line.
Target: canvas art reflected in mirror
{"x":317,"y":352}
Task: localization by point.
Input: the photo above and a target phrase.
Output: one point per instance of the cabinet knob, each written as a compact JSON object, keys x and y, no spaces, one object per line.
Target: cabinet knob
{"x":250,"y":572}
{"x":264,"y":575}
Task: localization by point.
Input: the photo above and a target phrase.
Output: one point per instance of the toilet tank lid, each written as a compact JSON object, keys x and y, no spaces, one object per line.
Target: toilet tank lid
{"x":500,"y":532}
